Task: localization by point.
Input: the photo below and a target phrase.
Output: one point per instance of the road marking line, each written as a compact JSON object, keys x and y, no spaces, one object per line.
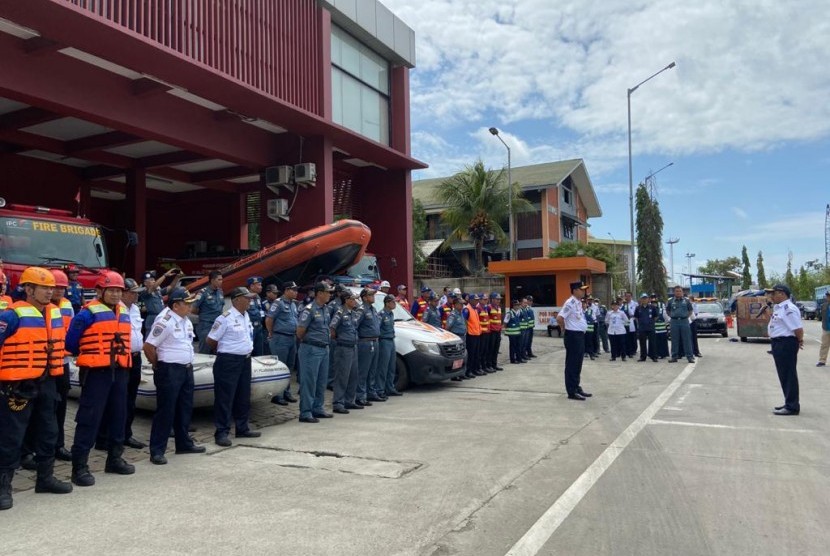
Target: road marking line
{"x":728,"y":427}
{"x":546,"y":526}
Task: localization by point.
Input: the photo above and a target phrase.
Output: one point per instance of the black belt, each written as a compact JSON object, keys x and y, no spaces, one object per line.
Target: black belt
{"x":783,"y":338}
{"x":372,"y":339}
{"x":247,"y":356}
{"x":316,"y":344}
{"x":188,"y":366}
{"x":382,"y":338}
{"x":574,"y":331}
{"x":346,"y":344}
{"x":284,"y":334}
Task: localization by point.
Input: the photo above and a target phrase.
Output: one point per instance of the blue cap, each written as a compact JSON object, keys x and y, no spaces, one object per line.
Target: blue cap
{"x":254,"y":280}
{"x":425,"y":289}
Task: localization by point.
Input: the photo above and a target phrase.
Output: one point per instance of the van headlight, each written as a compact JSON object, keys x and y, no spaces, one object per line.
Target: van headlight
{"x":427,"y":347}
{"x":721,"y":319}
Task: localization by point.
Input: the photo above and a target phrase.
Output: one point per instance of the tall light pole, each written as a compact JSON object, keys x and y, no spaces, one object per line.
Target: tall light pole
{"x":510,"y":234}
{"x":671,"y":242}
{"x":689,"y":257}
{"x":631,"y":172}
{"x":651,"y":175}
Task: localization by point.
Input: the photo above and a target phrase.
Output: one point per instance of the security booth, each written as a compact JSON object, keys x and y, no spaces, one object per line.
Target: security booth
{"x":547,"y":280}
{"x":711,"y":285}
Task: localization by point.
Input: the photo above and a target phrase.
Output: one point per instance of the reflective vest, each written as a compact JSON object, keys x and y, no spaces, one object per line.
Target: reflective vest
{"x":24,"y":355}
{"x":526,"y":321}
{"x":445,"y":313}
{"x":422,"y":307}
{"x":495,"y":318}
{"x":67,"y":312}
{"x":483,"y":318}
{"x":5,"y":302}
{"x":99,"y":339}
{"x":514,"y":326}
{"x":473,"y":324}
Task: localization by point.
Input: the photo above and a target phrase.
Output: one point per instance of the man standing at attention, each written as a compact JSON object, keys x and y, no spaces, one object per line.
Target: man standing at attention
{"x":787,"y":335}
{"x":572,"y":320}
{"x":679,"y":309}
{"x":208,"y":305}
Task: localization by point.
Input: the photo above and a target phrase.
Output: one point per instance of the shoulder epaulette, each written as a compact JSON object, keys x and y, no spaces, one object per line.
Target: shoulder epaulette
{"x":226,"y":313}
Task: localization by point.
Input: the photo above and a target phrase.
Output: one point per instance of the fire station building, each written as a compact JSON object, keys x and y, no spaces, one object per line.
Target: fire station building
{"x":190,"y":122}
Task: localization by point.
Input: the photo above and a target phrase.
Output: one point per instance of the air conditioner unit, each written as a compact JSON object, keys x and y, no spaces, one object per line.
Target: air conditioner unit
{"x":305,"y":173}
{"x":278,"y":209}
{"x":278,"y":175}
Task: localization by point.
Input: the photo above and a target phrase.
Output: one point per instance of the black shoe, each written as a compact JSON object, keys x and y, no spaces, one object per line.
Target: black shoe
{"x":376,"y":399}
{"x":531,"y":356}
{"x":592,"y":358}
{"x":690,"y":359}
{"x":479,"y":373}
{"x":248,"y":434}
{"x":27,"y":462}
{"x":498,"y":368}
{"x":394,"y":393}
{"x":364,"y":403}
{"x":63,"y":454}
{"x":579,"y":397}
{"x":82,"y":477}
{"x":673,"y":360}
{"x":53,"y":486}
{"x":641,"y":359}
{"x":777,"y":407}
{"x":289,"y":398}
{"x":654,"y":359}
{"x":309,"y":420}
{"x":191,"y":450}
{"x":353,"y":406}
{"x":118,"y":466}
{"x":223,"y":441}
{"x":341,"y":410}
{"x":698,"y":355}
{"x":131,"y":442}
{"x":457,"y":378}
{"x":785,"y":411}
{"x":158,"y":459}
{"x":582,"y":392}
{"x":613,"y":359}
{"x":323,"y":415}
{"x":278,"y":400}
{"x":623,"y":358}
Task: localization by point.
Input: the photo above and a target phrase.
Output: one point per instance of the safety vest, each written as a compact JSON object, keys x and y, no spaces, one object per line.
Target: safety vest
{"x":514,"y":327}
{"x":422,"y":307}
{"x":495,"y":318}
{"x":445,"y":314}
{"x":67,"y":312}
{"x":483,"y":318}
{"x":25,"y":354}
{"x":5,"y":302}
{"x":99,"y":339}
{"x":526,"y":322}
{"x":473,"y":324}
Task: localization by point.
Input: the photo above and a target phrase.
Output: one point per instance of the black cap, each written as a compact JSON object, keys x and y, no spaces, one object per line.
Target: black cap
{"x":271,"y":288}
{"x":290,"y":286}
{"x":578,"y":286}
{"x":387,"y":298}
{"x":782,"y":288}
{"x":366,"y":291}
{"x":322,"y":287}
{"x":180,"y":294}
{"x":242,"y":291}
{"x":132,"y":286}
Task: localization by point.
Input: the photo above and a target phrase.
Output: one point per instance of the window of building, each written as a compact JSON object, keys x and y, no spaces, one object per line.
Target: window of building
{"x":567,"y":193}
{"x":359,"y":87}
{"x":568,"y":229}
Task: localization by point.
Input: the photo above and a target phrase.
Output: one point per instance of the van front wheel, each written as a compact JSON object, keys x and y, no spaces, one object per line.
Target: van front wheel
{"x":401,"y":374}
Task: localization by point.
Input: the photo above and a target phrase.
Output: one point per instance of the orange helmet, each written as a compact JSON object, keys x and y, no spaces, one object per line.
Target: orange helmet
{"x":38,"y":277}
{"x":61,"y":281}
{"x":110,"y":279}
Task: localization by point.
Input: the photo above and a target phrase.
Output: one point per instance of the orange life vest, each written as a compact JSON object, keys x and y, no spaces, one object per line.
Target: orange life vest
{"x":98,"y":340}
{"x":67,"y":312}
{"x":495,"y":318}
{"x":483,"y":318}
{"x":25,"y":354}
{"x":5,"y":302}
{"x":445,"y":314}
{"x":473,"y":324}
{"x":422,"y":307}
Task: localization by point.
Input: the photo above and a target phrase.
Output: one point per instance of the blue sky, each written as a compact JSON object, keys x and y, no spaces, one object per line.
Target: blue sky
{"x":744,"y":117}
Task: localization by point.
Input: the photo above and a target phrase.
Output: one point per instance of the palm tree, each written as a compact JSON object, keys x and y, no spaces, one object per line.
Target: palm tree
{"x":477,"y":201}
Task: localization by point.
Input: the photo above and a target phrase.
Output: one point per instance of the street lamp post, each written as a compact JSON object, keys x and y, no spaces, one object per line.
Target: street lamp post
{"x":671,"y":242}
{"x":689,"y":257}
{"x":510,"y":234}
{"x":631,"y":173}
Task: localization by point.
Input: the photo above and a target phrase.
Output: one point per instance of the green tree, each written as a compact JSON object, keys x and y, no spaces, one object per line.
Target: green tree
{"x":746,"y":279}
{"x":649,"y":225}
{"x":789,"y":278}
{"x":720,"y":267}
{"x":419,"y":232}
{"x":578,"y":249}
{"x":477,"y":201}
{"x":762,"y":276}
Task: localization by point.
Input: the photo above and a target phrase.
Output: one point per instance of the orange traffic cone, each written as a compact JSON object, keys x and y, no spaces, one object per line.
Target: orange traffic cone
{"x":728,"y":321}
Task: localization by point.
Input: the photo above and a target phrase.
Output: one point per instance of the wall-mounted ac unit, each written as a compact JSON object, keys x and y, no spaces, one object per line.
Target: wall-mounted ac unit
{"x":278,"y":209}
{"x":305,"y":174}
{"x":278,"y":175}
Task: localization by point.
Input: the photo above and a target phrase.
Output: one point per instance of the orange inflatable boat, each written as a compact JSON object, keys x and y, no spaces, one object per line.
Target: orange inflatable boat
{"x":328,"y":250}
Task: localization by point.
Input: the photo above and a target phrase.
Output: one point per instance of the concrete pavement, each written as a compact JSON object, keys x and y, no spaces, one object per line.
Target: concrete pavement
{"x":469,"y":468}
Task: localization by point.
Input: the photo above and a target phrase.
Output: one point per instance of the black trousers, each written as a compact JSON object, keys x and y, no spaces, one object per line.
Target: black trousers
{"x":174,"y":406}
{"x":631,"y":343}
{"x":40,"y":412}
{"x":62,"y":386}
{"x":785,"y":354}
{"x":103,"y":395}
{"x":495,"y":345}
{"x":232,"y":393}
{"x":515,"y":347}
{"x":602,"y":328}
{"x":574,"y":354}
{"x":132,"y":393}
{"x":529,"y":348}
{"x":484,"y":350}
{"x":473,"y":363}
{"x":648,"y":346}
{"x":695,"y":347}
{"x":617,"y":345}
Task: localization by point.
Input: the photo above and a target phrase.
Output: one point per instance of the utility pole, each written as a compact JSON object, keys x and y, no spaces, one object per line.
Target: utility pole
{"x":671,"y":242}
{"x":689,"y":257}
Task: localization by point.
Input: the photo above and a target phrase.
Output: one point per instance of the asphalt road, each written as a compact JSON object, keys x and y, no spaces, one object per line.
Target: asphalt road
{"x":664,"y":459}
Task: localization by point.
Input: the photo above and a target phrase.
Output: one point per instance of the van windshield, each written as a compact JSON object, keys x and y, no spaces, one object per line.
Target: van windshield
{"x":33,"y":241}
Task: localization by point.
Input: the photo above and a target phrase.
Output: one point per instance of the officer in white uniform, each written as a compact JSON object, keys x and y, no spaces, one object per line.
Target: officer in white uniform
{"x":232,"y":337}
{"x":787,"y":334}
{"x":169,"y":349}
{"x":572,"y":320}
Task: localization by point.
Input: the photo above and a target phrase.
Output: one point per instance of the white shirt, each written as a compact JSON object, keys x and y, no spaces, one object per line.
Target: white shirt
{"x":616,"y":321}
{"x":573,"y":316}
{"x":632,"y":306}
{"x":136,"y":335}
{"x":233,"y":332}
{"x":172,"y":336}
{"x":785,"y":320}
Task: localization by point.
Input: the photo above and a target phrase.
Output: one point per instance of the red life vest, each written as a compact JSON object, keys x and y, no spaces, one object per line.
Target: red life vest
{"x":26,"y":353}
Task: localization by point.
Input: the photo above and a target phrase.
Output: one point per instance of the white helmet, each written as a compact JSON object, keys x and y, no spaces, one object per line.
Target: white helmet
{"x":385,"y":284}
{"x":456,"y":291}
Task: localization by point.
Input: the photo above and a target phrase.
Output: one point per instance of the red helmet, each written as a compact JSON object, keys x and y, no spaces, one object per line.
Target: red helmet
{"x":61,"y":281}
{"x":110,"y":279}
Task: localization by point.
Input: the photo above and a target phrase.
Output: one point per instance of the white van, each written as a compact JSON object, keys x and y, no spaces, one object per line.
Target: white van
{"x":424,"y":354}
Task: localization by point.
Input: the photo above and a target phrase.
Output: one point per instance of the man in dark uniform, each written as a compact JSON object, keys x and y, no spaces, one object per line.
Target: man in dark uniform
{"x":531,"y":317}
{"x":572,"y":320}
{"x":495,"y":320}
{"x":281,"y":323}
{"x":29,"y":392}
{"x":646,"y":316}
{"x":628,"y":307}
{"x":679,"y":309}
{"x":344,"y":337}
{"x":387,"y":360}
{"x":367,"y":321}
{"x":513,"y":331}
{"x":787,"y":336}
{"x":256,"y":313}
{"x":152,"y":296}
{"x":432,"y":315}
{"x":315,"y":337}
{"x":209,"y":304}
{"x":74,"y":292}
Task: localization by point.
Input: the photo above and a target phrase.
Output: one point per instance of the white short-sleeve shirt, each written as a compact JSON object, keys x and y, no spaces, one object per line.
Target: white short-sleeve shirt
{"x":233,"y":333}
{"x":172,"y":336}
{"x":573,"y":316}
{"x":785,"y":320}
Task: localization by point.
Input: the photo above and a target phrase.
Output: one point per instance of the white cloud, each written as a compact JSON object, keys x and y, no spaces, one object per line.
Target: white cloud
{"x":796,"y":227}
{"x":740,"y":213}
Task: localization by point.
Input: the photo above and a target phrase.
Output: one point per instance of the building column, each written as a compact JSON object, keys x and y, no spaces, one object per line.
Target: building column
{"x":136,"y":258}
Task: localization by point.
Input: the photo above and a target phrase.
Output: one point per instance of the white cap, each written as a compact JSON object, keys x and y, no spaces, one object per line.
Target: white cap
{"x":456,"y":291}
{"x":385,"y":284}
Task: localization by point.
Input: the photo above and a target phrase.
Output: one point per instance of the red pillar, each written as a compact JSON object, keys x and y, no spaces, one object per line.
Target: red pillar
{"x":136,"y":259}
{"x":400,"y":134}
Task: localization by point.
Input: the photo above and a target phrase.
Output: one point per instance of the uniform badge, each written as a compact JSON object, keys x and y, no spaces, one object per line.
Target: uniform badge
{"x":157,"y":330}
{"x":216,"y":326}
{"x":167,"y":316}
